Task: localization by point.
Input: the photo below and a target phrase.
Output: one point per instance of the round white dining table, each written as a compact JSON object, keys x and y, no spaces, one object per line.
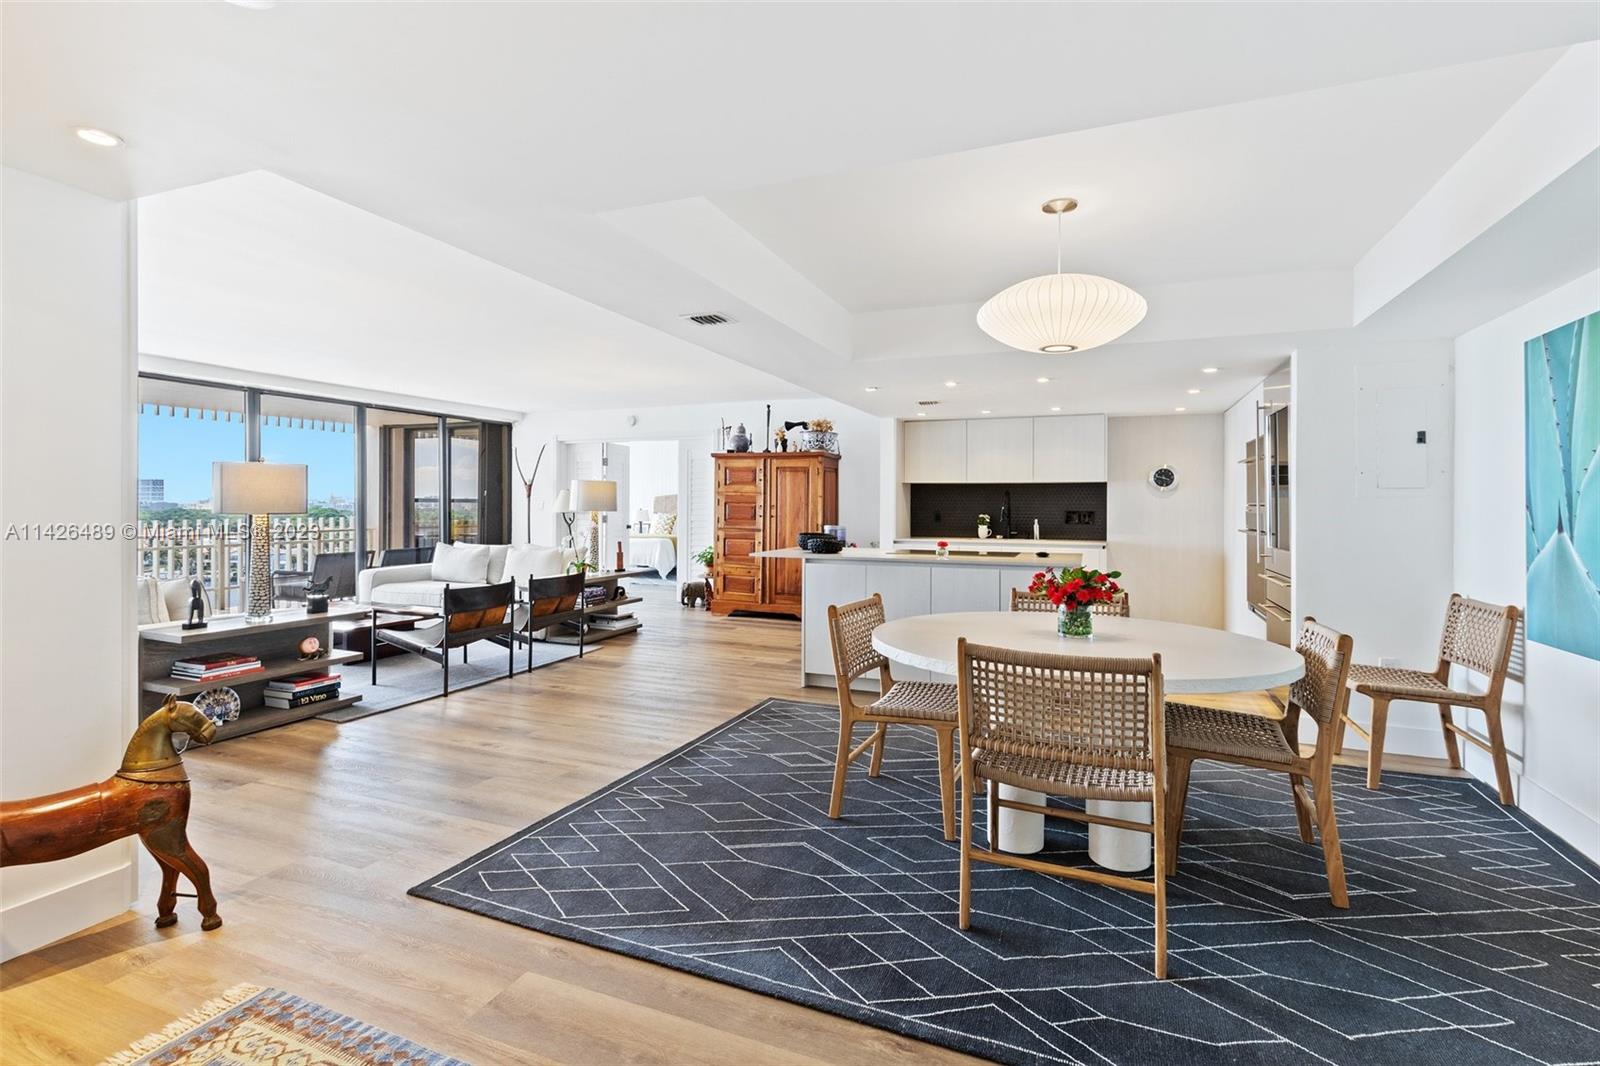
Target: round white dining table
{"x":1194,"y":659}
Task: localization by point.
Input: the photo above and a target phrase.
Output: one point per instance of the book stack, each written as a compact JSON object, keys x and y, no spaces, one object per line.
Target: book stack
{"x":594,"y":596}
{"x":214,"y":667}
{"x":301,"y":690}
{"x":617,"y":620}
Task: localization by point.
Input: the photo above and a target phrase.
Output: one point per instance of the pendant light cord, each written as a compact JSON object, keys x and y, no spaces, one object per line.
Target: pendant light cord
{"x":1058,"y":241}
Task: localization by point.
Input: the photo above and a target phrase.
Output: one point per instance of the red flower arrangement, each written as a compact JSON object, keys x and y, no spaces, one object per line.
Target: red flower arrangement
{"x":943,"y":544}
{"x":1076,"y":588}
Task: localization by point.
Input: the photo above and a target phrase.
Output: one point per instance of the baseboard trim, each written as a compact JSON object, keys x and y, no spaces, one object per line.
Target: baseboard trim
{"x":33,"y":923}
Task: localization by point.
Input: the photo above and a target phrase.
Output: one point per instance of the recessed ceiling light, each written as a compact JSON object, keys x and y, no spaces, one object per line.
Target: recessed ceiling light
{"x":922,"y":414}
{"x":253,"y":5}
{"x":1194,"y":392}
{"x":1042,"y":381}
{"x":98,"y":138}
{"x":872,"y":388}
{"x":949,"y":384}
{"x":1055,"y":408}
{"x":1180,"y":408}
{"x":1209,"y":369}
{"x":985,"y":411}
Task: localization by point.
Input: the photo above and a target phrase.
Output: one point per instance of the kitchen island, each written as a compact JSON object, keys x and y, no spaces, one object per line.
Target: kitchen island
{"x":911,"y":581}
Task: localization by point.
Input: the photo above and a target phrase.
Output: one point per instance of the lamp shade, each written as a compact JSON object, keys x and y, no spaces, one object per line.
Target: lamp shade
{"x":564,"y":502}
{"x":1061,"y":313}
{"x":594,"y":495}
{"x":258,"y":488}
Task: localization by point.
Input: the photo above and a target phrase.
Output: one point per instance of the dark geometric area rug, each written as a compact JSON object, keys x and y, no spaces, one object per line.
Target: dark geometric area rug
{"x":1473,"y":935}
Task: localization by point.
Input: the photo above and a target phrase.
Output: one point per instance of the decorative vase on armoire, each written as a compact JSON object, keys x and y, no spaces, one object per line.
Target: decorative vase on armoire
{"x":765,"y":500}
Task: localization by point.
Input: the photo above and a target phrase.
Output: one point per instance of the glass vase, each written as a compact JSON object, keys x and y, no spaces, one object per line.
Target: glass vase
{"x":1074,"y":622}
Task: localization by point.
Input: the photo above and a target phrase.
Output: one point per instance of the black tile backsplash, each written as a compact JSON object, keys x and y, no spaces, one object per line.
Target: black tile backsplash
{"x":1066,"y":510}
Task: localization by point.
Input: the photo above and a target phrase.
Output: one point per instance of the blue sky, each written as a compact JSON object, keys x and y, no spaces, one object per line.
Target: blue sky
{"x":181,"y":450}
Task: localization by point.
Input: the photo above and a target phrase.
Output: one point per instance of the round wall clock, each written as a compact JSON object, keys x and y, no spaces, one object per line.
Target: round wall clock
{"x":1163,"y":478}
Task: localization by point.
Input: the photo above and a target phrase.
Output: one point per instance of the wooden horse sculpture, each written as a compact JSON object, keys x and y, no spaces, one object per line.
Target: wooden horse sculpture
{"x":148,"y":795}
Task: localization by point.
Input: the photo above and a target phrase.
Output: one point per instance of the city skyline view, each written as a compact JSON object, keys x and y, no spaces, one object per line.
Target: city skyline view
{"x":180,"y":451}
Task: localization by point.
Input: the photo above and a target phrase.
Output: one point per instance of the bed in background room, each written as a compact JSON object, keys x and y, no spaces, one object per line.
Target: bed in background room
{"x":658,"y":549}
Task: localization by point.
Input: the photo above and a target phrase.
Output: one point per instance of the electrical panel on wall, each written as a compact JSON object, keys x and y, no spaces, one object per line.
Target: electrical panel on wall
{"x":1403,"y":429}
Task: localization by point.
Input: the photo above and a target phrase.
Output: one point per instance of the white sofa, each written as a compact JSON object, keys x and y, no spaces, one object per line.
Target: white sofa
{"x":458,"y":565}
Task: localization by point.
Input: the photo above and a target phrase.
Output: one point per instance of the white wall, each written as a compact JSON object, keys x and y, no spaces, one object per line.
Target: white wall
{"x":1552,"y":721}
{"x":66,"y":455}
{"x":1238,"y":430}
{"x":1372,"y":563}
{"x":696,"y":426}
{"x":1169,"y":547}
{"x":652,"y":472}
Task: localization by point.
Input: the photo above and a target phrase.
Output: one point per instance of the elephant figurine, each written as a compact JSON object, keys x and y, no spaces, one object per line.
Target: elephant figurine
{"x":696,"y":593}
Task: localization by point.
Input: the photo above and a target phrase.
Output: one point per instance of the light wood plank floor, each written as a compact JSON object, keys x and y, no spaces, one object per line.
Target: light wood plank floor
{"x":314,"y":832}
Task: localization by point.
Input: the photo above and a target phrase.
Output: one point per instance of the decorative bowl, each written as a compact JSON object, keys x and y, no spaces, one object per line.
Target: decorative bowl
{"x":219,"y":704}
{"x":820,"y":543}
{"x":816,"y":440}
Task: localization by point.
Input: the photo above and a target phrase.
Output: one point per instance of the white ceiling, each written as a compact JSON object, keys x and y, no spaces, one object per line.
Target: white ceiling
{"x":258,"y":273}
{"x":1290,"y":183}
{"x":512,"y":204}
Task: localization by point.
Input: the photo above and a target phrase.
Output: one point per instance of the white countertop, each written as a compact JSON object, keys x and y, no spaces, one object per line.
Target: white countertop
{"x":1193,"y":658}
{"x":1026,"y":560}
{"x":998,"y":543}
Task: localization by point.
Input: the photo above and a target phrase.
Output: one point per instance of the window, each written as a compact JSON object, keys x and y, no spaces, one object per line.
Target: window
{"x":377,"y":479}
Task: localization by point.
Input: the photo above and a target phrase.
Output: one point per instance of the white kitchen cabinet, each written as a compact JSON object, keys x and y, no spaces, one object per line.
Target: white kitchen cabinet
{"x":906,"y":590}
{"x":934,"y":452}
{"x":1014,"y":579}
{"x":966,"y":588}
{"x":1069,"y":448}
{"x":835,"y":583}
{"x":1000,"y":450}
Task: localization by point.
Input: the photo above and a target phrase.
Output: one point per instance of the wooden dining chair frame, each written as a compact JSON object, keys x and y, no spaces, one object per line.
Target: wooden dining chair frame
{"x":1023,"y":600}
{"x":1323,"y":694}
{"x":1035,"y":669}
{"x":1455,"y":649}
{"x":853,"y":658}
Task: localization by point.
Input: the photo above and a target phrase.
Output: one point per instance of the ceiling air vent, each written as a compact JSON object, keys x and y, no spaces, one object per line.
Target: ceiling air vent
{"x":708,"y":318}
{"x":927,"y":403}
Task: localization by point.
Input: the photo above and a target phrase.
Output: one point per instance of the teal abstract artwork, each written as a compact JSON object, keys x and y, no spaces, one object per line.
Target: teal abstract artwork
{"x":1562,"y":370}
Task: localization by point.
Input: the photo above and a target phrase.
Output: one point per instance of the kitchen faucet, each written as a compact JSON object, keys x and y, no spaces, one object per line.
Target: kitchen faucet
{"x":1005,"y":517}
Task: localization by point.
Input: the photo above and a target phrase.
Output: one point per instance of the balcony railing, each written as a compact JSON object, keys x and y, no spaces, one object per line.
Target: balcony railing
{"x":215,"y":550}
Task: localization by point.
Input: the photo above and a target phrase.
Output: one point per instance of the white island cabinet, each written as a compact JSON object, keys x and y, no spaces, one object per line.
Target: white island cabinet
{"x":911,"y":582}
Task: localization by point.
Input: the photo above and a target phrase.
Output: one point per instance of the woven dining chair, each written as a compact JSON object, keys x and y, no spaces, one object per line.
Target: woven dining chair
{"x":921,"y":703}
{"x":1245,"y":739}
{"x":1023,"y":600}
{"x":1479,"y":637}
{"x":1083,"y":727}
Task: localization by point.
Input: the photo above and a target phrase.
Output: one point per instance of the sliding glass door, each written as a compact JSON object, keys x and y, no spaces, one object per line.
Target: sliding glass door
{"x":379,"y":479}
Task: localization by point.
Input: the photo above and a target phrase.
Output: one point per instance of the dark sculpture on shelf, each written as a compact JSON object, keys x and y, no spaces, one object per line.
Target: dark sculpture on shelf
{"x":148,"y":795}
{"x":317,"y":595}
{"x":197,"y":606}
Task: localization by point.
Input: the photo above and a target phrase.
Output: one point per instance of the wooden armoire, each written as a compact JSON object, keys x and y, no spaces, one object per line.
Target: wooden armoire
{"x":765,"y":500}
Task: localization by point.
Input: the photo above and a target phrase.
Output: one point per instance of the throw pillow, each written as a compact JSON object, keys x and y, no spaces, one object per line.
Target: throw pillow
{"x":147,"y":593}
{"x":662,"y":524}
{"x":535,"y":560}
{"x":461,"y":563}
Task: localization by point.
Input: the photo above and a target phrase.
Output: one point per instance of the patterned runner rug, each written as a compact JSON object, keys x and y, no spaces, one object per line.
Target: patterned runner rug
{"x":1473,"y":934}
{"x":251,"y":1026}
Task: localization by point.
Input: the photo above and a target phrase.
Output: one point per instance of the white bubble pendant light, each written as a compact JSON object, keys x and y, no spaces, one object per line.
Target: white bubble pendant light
{"x":1061,"y":312}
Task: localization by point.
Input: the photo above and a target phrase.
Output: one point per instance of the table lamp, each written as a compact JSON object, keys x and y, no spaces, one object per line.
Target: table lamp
{"x":595,"y":497}
{"x":564,"y":509}
{"x":259,"y":490}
